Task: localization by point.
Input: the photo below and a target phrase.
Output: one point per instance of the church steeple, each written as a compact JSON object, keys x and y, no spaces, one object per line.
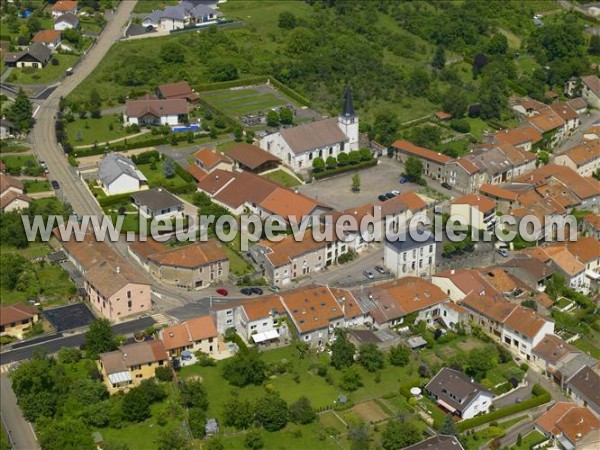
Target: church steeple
{"x":348,"y":110}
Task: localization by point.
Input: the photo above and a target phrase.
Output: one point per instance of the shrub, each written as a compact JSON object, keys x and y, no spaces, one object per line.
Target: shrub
{"x":164,"y":373}
{"x":460,"y":125}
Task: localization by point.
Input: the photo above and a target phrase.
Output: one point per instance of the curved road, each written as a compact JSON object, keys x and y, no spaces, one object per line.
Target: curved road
{"x":43,"y":135}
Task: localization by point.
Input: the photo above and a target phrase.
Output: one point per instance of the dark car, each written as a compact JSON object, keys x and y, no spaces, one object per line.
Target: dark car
{"x":446,"y":186}
{"x":55,"y":184}
{"x":382,"y":198}
{"x":223,"y":292}
{"x":390,"y":195}
{"x":257,"y":290}
{"x":402,"y":180}
{"x":246,"y":291}
{"x":380,"y":269}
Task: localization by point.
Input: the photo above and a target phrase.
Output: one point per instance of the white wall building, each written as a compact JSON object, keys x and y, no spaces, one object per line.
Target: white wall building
{"x":407,"y":256}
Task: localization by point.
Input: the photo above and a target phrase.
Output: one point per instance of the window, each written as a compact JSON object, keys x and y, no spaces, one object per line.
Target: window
{"x":229,"y":321}
{"x":129,"y":304}
{"x":128,"y":294}
{"x":230,"y":312}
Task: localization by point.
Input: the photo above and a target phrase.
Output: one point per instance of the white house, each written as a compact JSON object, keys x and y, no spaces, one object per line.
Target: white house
{"x":12,"y":196}
{"x":407,"y":256}
{"x":62,"y":7}
{"x":185,"y":14}
{"x":459,"y":394}
{"x":157,"y":203}
{"x":298,"y":146}
{"x":583,"y":158}
{"x":590,"y":90}
{"x":67,"y":21}
{"x":476,"y":210}
{"x":151,"y":111}
{"x":118,"y":175}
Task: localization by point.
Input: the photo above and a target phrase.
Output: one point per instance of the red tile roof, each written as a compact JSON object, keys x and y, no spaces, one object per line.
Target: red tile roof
{"x":186,"y":333}
{"x":518,"y":136}
{"x":312,"y":307}
{"x":209,"y":157}
{"x":46,"y":36}
{"x":64,"y":5}
{"x":421,"y":152}
{"x":481,"y":202}
{"x":16,"y":313}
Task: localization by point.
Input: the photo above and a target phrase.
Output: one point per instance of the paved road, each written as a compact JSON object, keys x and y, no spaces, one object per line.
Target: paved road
{"x":75,"y":340}
{"x":575,"y":138}
{"x":18,"y":429}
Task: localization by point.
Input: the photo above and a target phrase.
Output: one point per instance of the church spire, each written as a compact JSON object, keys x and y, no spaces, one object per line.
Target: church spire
{"x":348,"y":110}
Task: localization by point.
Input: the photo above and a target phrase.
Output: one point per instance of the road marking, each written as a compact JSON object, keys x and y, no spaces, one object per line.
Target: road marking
{"x":36,"y":110}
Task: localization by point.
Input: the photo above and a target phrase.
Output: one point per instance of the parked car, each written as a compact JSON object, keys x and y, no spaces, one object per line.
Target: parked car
{"x":274,"y":288}
{"x":402,"y":180}
{"x":246,"y":291}
{"x":257,"y":290}
{"x":382,"y":198}
{"x":390,"y":195}
{"x":502,"y":252}
{"x":368,"y":274}
{"x":223,"y":292}
{"x":55,"y":184}
{"x":446,"y":186}
{"x":380,"y":269}
{"x":396,"y":192}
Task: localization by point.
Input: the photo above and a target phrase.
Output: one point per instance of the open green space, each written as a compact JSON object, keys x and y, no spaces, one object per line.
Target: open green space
{"x":530,"y":440}
{"x":147,"y":6}
{"x":33,"y":186}
{"x":13,"y":148}
{"x":33,"y":251}
{"x":244,"y":101}
{"x":22,"y":164}
{"x":237,"y":265}
{"x":156,"y":176}
{"x":4,"y":443}
{"x":47,"y":74}
{"x":283,"y":178}
{"x":588,"y":347}
{"x":89,"y":131}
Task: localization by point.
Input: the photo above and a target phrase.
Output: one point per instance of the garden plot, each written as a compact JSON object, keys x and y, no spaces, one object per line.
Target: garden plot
{"x":370,"y":411}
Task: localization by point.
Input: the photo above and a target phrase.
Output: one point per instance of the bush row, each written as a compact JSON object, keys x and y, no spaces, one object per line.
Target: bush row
{"x":290,"y":92}
{"x":113,"y":200}
{"x":329,"y":172}
{"x":541,"y":396}
{"x":229,"y":84}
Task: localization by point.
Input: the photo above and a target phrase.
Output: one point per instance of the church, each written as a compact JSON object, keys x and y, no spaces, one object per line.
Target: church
{"x":298,"y":146}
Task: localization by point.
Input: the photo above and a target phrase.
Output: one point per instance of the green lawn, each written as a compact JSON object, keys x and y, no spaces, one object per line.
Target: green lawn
{"x":13,"y":148}
{"x":33,"y":251}
{"x":237,"y":265}
{"x":55,"y":285}
{"x":44,"y":75}
{"x":156,"y":177}
{"x":478,"y":127}
{"x":283,"y":178}
{"x":4,"y":443}
{"x":33,"y":186}
{"x":225,"y":146}
{"x":529,"y":440}
{"x":88,"y":131}
{"x":244,"y":101}
{"x":588,"y":347}
{"x":15,"y":163}
{"x":526,"y":64}
{"x":454,"y":148}
{"x":146,"y":6}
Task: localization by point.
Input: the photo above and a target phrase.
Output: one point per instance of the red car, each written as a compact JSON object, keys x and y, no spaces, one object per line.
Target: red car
{"x":223,"y":292}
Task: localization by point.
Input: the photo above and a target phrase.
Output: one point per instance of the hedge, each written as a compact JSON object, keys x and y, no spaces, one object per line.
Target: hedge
{"x":540,"y":398}
{"x":348,"y":168}
{"x":184,"y":188}
{"x":113,"y":199}
{"x":289,"y":92}
{"x":229,"y":84}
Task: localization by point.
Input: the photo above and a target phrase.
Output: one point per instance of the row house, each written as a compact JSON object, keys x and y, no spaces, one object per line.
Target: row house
{"x":410,"y":257}
{"x":194,"y":335}
{"x":477,"y":211}
{"x":569,"y":426}
{"x":583,"y":158}
{"x":434,"y":163}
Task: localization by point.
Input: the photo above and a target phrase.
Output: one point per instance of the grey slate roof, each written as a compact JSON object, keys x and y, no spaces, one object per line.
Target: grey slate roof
{"x":457,"y":386}
{"x":69,"y":18}
{"x":309,"y":136}
{"x":156,"y":199}
{"x":406,"y":243}
{"x":439,"y":442}
{"x":586,"y":383}
{"x":113,"y":165}
{"x":348,"y":110}
{"x":38,"y":51}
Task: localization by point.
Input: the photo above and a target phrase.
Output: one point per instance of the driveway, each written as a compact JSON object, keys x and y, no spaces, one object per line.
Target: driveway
{"x":374,"y":181}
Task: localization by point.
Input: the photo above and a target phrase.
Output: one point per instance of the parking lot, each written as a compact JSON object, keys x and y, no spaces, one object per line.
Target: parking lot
{"x":374,"y":181}
{"x":69,"y":317}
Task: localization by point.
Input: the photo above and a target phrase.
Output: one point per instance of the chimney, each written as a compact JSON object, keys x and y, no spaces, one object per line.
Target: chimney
{"x":118,"y":269}
{"x":452,"y":271}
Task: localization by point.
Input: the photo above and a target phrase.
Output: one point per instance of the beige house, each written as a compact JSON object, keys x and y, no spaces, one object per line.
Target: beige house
{"x":128,"y":366}
{"x":476,"y":210}
{"x":193,"y":266}
{"x":583,"y":158}
{"x":590,"y":90}
{"x":17,"y":319}
{"x":197,"y":334}
{"x":12,"y":197}
{"x":434,"y":163}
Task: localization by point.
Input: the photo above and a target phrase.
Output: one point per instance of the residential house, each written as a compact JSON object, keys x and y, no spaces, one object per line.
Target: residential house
{"x":457,"y":284}
{"x":579,"y":105}
{"x":114,"y":288}
{"x":298,"y":146}
{"x":259,"y":320}
{"x":252,"y":158}
{"x":67,"y":21}
{"x":193,"y":266}
{"x":590,"y":90}
{"x":17,"y":319}
{"x":531,"y":271}
{"x":288,"y":259}
{"x":314,"y":312}
{"x":12,"y":194}
{"x":591,"y":225}
{"x":157,"y":203}
{"x":434,"y":163}
{"x":131,"y":364}
{"x":185,"y":14}
{"x":118,"y":174}
{"x":584,"y":158}
{"x":551,"y":353}
{"x":506,"y":199}
{"x":527,"y":107}
{"x":517,"y":327}
{"x":389,"y":303}
{"x":49,"y":38}
{"x":551,"y":125}
{"x":407,"y":256}
{"x":36,"y":55}
{"x":587,"y":250}
{"x":476,"y":210}
{"x":524,"y":137}
{"x":152,"y":111}
{"x":568,"y":425}
{"x":464,"y":175}
{"x":458,"y":394}
{"x":584,"y":389}
{"x":452,"y":315}
{"x":195,"y":335}
{"x":439,"y":442}
{"x":568,"y":114}
{"x":179,"y":90}
{"x":63,"y":7}
{"x":7,"y":129}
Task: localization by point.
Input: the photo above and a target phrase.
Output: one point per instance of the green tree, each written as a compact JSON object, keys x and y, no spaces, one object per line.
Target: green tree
{"x":342,"y":350}
{"x":343,"y":159}
{"x":448,"y":427}
{"x":519,"y":440}
{"x":254,"y":440}
{"x":413,"y":169}
{"x":399,"y":355}
{"x":426,"y":136}
{"x":272,"y":118}
{"x":33,"y":25}
{"x":302,"y":412}
{"x":355,"y":183}
{"x":164,"y":373}
{"x":114,"y":445}
{"x":99,"y":338}
{"x":272,"y":412}
{"x":136,"y":405}
{"x":169,"y":168}
{"x":37,"y":405}
{"x":479,"y":361}
{"x":555,"y":286}
{"x":398,"y":435}
{"x":359,"y":436}
{"x":238,"y":134}
{"x":245,"y":368}
{"x":455,"y":102}
{"x":238,"y":413}
{"x":287,"y":20}
{"x":439,"y":58}
{"x":172,"y":439}
{"x":193,"y":394}
{"x":286,"y":116}
{"x":370,"y":357}
{"x":498,"y":45}
{"x":250,"y":135}
{"x":213,"y":443}
{"x":223,"y":70}
{"x":385,"y":126}
{"x":95,"y":104}
{"x":318,"y":164}
{"x":20,"y":112}
{"x":172,"y":53}
{"x":543,"y":157}
{"x":66,"y":433}
{"x":594,"y":48}
{"x":350,"y":380}
{"x":197,"y":421}
{"x":331,"y":162}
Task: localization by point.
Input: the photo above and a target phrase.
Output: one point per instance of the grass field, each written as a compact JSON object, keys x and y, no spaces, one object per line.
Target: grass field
{"x":237,"y":265}
{"x":529,"y":440}
{"x":16,"y":163}
{"x":586,"y":346}
{"x":88,"y":131}
{"x":33,"y":186}
{"x":33,"y":251}
{"x":156,"y":177}
{"x":239,"y":102}
{"x":55,"y":284}
{"x":147,"y":6}
{"x":13,"y":148}
{"x":44,"y":75}
{"x":283,"y":178}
